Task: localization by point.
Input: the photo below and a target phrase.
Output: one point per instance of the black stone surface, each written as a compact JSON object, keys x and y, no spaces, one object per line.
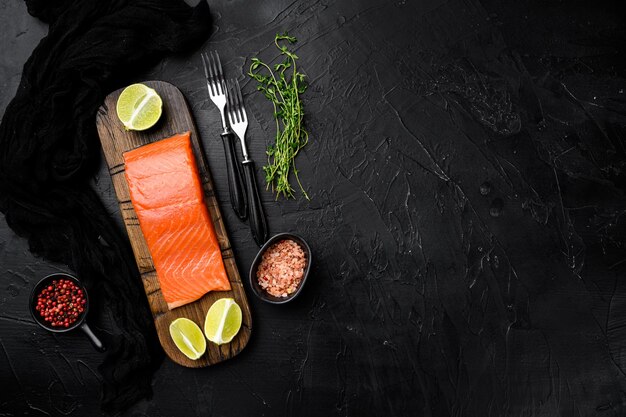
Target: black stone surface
{"x":466,"y":168}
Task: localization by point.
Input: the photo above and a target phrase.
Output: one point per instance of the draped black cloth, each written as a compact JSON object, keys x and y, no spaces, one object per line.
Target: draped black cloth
{"x":49,"y":150}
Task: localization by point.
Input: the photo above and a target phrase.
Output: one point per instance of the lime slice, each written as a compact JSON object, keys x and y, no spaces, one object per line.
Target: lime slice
{"x":139,"y":107}
{"x":188,"y":338}
{"x":223,"y":321}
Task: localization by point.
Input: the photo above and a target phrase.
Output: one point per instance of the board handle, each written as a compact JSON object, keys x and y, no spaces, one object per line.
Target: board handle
{"x":235,"y":184}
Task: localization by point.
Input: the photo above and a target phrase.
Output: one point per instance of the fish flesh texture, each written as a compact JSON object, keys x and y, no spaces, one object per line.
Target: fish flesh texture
{"x":167,"y":195}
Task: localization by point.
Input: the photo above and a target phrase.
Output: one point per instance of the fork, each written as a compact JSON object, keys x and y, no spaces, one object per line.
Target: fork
{"x":216,"y":86}
{"x":239,"y":122}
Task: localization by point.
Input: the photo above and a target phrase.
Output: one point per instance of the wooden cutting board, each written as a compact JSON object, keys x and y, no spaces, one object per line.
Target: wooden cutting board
{"x":115,"y":140}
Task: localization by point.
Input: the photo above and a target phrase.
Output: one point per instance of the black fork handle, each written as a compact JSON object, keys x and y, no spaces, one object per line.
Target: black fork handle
{"x":235,"y":183}
{"x":258,"y":224}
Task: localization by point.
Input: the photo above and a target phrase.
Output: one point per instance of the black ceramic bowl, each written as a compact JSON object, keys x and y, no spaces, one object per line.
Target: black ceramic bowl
{"x":79,"y":323}
{"x":254,"y":284}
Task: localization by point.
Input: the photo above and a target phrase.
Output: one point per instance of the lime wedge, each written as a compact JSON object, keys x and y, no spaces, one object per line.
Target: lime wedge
{"x":188,"y":338}
{"x":223,"y":321}
{"x":139,"y":107}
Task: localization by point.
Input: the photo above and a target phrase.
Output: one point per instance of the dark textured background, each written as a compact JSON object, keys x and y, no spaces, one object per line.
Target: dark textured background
{"x":466,"y":169}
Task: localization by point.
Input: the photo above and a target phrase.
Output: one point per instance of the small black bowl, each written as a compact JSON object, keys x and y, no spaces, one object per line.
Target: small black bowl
{"x":254,"y":284}
{"x":79,"y":323}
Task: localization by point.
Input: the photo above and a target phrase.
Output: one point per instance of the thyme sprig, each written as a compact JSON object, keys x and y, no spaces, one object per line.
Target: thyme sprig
{"x":283,"y":84}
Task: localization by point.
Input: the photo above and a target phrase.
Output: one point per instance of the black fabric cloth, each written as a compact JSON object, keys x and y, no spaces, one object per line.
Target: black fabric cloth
{"x":49,"y":151}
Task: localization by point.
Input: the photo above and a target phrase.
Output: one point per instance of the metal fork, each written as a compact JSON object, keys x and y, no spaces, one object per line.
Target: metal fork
{"x":216,"y":87}
{"x":239,"y":122}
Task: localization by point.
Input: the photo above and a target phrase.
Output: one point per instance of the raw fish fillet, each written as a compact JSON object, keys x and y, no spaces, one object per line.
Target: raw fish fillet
{"x":167,"y":195}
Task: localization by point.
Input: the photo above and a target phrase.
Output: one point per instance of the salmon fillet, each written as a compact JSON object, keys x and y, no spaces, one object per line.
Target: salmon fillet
{"x":167,"y":195}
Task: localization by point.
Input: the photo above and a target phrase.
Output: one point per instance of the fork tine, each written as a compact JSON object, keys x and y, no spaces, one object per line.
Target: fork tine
{"x":206,"y":72}
{"x":238,"y":101}
{"x":233,"y":94}
{"x":237,"y":104}
{"x":234,"y":101}
{"x":244,"y":116}
{"x":219,"y":67}
{"x":207,"y":67}
{"x":229,"y":104}
{"x":223,"y":85}
{"x":216,"y":78}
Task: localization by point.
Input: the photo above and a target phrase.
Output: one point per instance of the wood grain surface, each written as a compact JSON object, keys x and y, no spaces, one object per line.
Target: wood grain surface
{"x":115,"y":141}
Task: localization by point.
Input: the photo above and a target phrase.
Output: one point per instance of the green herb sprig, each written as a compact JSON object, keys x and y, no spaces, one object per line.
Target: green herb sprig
{"x":282,"y":84}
